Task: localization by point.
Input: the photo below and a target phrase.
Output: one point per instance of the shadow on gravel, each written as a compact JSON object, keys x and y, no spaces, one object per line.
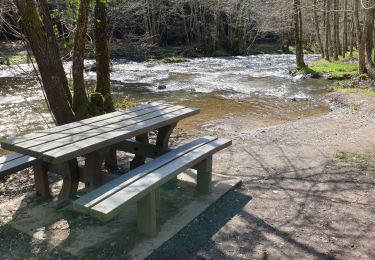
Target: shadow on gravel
{"x":187,"y":243}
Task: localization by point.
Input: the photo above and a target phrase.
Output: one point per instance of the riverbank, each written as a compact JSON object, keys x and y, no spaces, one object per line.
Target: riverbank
{"x":308,"y":192}
{"x":15,"y":53}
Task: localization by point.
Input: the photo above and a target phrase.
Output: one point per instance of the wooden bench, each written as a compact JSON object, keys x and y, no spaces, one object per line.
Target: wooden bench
{"x":141,"y":184}
{"x":15,"y":162}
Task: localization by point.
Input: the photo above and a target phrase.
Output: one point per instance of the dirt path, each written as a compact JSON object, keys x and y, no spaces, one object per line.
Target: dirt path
{"x":308,"y":193}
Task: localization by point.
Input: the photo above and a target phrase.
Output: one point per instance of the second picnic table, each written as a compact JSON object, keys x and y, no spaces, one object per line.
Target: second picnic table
{"x":97,"y":139}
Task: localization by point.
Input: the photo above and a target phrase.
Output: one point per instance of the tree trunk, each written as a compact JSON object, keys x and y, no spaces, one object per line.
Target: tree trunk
{"x":339,"y":49}
{"x":316,"y":23}
{"x":360,"y":39}
{"x":45,"y":49}
{"x":335,"y":29}
{"x":80,"y":99}
{"x":352,"y":34}
{"x":298,"y":35}
{"x":345,"y":30}
{"x":327,"y":30}
{"x":369,"y":40}
{"x":51,"y":41}
{"x":103,"y":84}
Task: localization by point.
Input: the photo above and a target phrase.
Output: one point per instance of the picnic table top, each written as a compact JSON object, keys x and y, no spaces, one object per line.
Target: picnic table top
{"x":62,"y":143}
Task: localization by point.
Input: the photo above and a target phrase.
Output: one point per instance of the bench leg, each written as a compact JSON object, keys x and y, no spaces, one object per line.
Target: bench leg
{"x":70,"y":174}
{"x":162,"y":140}
{"x":92,"y":170}
{"x":204,"y":176}
{"x":146,"y":215}
{"x":111,"y":160}
{"x":138,"y":160}
{"x":41,"y":180}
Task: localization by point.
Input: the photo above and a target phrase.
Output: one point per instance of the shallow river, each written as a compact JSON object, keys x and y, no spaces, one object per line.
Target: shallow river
{"x":259,"y":86}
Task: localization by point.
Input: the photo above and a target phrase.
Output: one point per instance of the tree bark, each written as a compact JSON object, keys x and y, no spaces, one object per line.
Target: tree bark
{"x":298,"y":34}
{"x":45,"y":49}
{"x":361,"y":38}
{"x":369,"y":40}
{"x":335,"y":31}
{"x":327,"y":30}
{"x":345,"y":30}
{"x":51,"y":41}
{"x":317,"y":30}
{"x":103,"y":84}
{"x":80,"y":99}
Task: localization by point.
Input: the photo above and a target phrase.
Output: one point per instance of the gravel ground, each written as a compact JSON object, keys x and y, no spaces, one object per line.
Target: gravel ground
{"x":308,"y":192}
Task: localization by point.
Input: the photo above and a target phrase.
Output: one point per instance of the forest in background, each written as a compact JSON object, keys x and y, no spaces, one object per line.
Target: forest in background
{"x":60,"y":30}
{"x":209,"y":27}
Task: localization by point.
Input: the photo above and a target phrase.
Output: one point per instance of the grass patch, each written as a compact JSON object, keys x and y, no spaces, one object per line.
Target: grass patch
{"x":366,"y":160}
{"x":125,"y":103}
{"x":360,"y":91}
{"x":335,"y":69}
{"x":174,"y":59}
{"x":20,"y":57}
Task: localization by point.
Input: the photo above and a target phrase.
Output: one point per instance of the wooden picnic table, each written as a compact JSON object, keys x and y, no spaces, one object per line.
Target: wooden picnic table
{"x":97,"y":139}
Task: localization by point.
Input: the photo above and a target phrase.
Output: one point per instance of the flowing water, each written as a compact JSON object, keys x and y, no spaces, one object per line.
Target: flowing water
{"x":259,"y":86}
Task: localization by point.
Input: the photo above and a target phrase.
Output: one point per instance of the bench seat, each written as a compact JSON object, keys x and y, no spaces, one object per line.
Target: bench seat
{"x":139,"y":185}
{"x":15,"y":162}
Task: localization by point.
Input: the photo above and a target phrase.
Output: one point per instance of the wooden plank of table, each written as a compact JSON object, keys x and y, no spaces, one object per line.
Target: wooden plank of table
{"x":96,"y":196}
{"x":114,"y":136}
{"x":8,"y":143}
{"x":72,"y":139}
{"x":105,"y":210}
{"x":85,"y":128}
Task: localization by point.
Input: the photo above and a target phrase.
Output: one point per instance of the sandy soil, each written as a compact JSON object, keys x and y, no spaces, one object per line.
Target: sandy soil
{"x":308,"y":192}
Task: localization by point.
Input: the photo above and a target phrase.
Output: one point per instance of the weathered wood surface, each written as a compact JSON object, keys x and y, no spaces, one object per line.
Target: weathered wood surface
{"x":15,"y":162}
{"x":73,"y":125}
{"x":121,"y":182}
{"x":108,"y":200}
{"x":67,"y":142}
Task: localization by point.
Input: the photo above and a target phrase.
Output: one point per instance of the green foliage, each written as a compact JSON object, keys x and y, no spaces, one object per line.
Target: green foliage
{"x":175,"y":59}
{"x":347,"y":55}
{"x":125,"y":103}
{"x":96,"y":104}
{"x":363,"y":76}
{"x":335,"y":69}
{"x":20,"y":57}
